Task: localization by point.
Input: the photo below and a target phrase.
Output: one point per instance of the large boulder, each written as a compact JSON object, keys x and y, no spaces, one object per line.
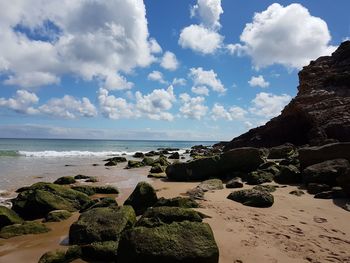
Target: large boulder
{"x":91,"y":190}
{"x":235,"y":183}
{"x":29,"y":227}
{"x":58,"y":216}
{"x":211,"y":184}
{"x":183,"y":242}
{"x":259,"y":177}
{"x":251,"y":197}
{"x":183,"y":202}
{"x":8,"y":217}
{"x":100,"y":202}
{"x":101,"y":224}
{"x":142,"y":197}
{"x":281,"y":152}
{"x":65,"y":180}
{"x":326,"y":172}
{"x":288,"y":175}
{"x":313,"y":155}
{"x":174,"y":155}
{"x":41,"y":198}
{"x":100,"y":251}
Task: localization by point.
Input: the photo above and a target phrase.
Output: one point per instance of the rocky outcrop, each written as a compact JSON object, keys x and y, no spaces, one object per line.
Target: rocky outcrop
{"x":320,"y":113}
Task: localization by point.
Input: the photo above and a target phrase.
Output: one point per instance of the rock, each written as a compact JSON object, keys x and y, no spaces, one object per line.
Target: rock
{"x":235,"y":183}
{"x":297,"y":192}
{"x":111,"y":163}
{"x":162,"y":161}
{"x":156,"y":216}
{"x":142,"y":197}
{"x":134,"y":164}
{"x":28,"y":227}
{"x":56,"y":256}
{"x":100,"y":251}
{"x":138,"y":155}
{"x":81,"y":177}
{"x":252,"y":197}
{"x":148,"y":161}
{"x":196,"y":193}
{"x":175,"y":155}
{"x":281,"y":152}
{"x":151,"y":153}
{"x":173,"y":243}
{"x":259,"y":177}
{"x":211,"y":184}
{"x":8,"y":217}
{"x":326,"y":172}
{"x":86,"y":189}
{"x":106,"y":189}
{"x":177,"y":202}
{"x":65,"y":180}
{"x":58,"y":216}
{"x":100,"y":202}
{"x":41,"y":198}
{"x":116,"y":159}
{"x":324,"y":195}
{"x":92,"y":179}
{"x":344,"y":181}
{"x":169,"y":149}
{"x":338,"y":192}
{"x":313,"y":155}
{"x":101,"y":224}
{"x":319,"y":113}
{"x":288,"y":175}
{"x":244,"y":159}
{"x":313,"y":188}
{"x":266,"y":187}
{"x":157,"y":175}
{"x":157,"y":169}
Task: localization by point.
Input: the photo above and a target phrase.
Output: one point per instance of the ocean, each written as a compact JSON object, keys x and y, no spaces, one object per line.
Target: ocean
{"x":26,"y":161}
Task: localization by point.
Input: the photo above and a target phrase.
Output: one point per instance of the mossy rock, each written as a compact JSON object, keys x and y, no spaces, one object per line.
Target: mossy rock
{"x":268,"y":188}
{"x":65,"y":180}
{"x":28,"y":227}
{"x":8,"y":217}
{"x":157,"y":169}
{"x":92,"y":179}
{"x":111,"y":163}
{"x":142,"y":197}
{"x":86,"y":189}
{"x":61,"y":256}
{"x":251,"y":197}
{"x":235,"y":183}
{"x":116,"y":159}
{"x":174,"y":243}
{"x":259,"y":177}
{"x":100,"y":202}
{"x":183,"y":202}
{"x":100,"y":251}
{"x":162,"y":161}
{"x":148,"y":161}
{"x":175,"y":156}
{"x":81,"y":177}
{"x":288,"y":175}
{"x":91,"y":190}
{"x":211,"y":184}
{"x":135,"y":164}
{"x":297,"y":192}
{"x":101,"y":224}
{"x":281,"y":152}
{"x":138,"y":155}
{"x":58,"y":216}
{"x":155,"y":216}
{"x":41,"y":198}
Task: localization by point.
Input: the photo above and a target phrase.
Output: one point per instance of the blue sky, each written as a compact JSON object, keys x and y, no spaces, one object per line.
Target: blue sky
{"x":156,"y":69}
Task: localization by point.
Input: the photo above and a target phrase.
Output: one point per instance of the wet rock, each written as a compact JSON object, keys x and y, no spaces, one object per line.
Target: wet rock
{"x":138,"y":155}
{"x":252,"y":197}
{"x":8,"y":217}
{"x":324,"y":195}
{"x":235,"y":183}
{"x":177,"y":202}
{"x":91,"y":190}
{"x":174,"y":155}
{"x":116,"y":159}
{"x":28,"y":227}
{"x":111,"y":163}
{"x":100,"y":202}
{"x":56,"y":256}
{"x":65,"y":180}
{"x":148,"y":161}
{"x":157,"y":169}
{"x":57,"y":216}
{"x":266,"y":187}
{"x":81,"y":177}
{"x":100,"y":251}
{"x":162,"y":161}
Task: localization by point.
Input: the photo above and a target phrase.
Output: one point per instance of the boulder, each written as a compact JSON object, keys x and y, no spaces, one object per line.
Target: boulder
{"x":259,"y":177}
{"x":297,"y":192}
{"x":61,"y":256}
{"x":211,"y":184}
{"x":138,"y":155}
{"x":313,"y":188}
{"x":135,"y":164}
{"x":157,"y":169}
{"x":326,"y":172}
{"x":100,"y":202}
{"x":28,"y":227}
{"x":91,"y":190}
{"x":324,"y":195}
{"x":151,"y":153}
{"x":65,"y":180}
{"x":266,"y":187}
{"x":156,"y":216}
{"x":101,"y":224}
{"x":177,"y":202}
{"x":142,"y":197}
{"x":251,"y":197}
{"x":148,"y":161}
{"x":174,"y":155}
{"x":244,"y":159}
{"x":100,"y":251}
{"x":58,"y":216}
{"x":92,"y":179}
{"x":116,"y":159}
{"x":111,"y":163}
{"x":235,"y":183}
{"x":344,"y":181}
{"x":281,"y":152}
{"x":172,"y":243}
{"x":162,"y":161}
{"x":288,"y":175}
{"x":8,"y":217}
{"x":41,"y":198}
{"x":81,"y":177}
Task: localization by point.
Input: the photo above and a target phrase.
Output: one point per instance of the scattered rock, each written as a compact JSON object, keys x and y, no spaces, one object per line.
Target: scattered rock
{"x":252,"y":197}
{"x":313,"y":188}
{"x":92,"y":179}
{"x":28,"y":227}
{"x":65,"y":180}
{"x":288,"y":175}
{"x":100,"y":251}
{"x":297,"y":192}
{"x":142,"y":197}
{"x":148,"y":161}
{"x":81,"y":177}
{"x":138,"y":155}
{"x":175,"y":155}
{"x":235,"y":183}
{"x":116,"y":159}
{"x":8,"y":217}
{"x":177,"y":202}
{"x":157,"y":169}
{"x":211,"y":184}
{"x":91,"y":190}
{"x":162,"y":161}
{"x":259,"y":177}
{"x":135,"y":164}
{"x":58,"y":216}
{"x":111,"y":163}
{"x":266,"y":187}
{"x":56,"y":256}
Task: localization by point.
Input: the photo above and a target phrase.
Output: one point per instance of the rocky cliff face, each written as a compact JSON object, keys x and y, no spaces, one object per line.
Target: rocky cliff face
{"x":320,"y":113}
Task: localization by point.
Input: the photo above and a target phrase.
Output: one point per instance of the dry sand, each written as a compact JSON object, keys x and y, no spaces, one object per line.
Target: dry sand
{"x":294,"y":229}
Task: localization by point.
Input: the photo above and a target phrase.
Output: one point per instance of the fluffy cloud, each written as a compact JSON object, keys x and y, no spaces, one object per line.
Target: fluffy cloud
{"x":169,"y":61}
{"x":208,"y":78}
{"x":90,"y":39}
{"x":193,"y":107}
{"x":200,"y":39}
{"x":200,"y":90}
{"x":22,"y":102}
{"x":234,"y":113}
{"x":289,"y":36}
{"x":269,"y":105}
{"x":209,"y":12}
{"x":258,"y":82}
{"x":179,"y":81}
{"x":156,"y":76}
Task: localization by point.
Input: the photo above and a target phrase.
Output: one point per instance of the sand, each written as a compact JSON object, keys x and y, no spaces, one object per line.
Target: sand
{"x":294,"y":229}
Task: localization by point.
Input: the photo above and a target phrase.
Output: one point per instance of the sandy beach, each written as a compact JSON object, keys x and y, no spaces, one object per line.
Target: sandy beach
{"x":294,"y":229}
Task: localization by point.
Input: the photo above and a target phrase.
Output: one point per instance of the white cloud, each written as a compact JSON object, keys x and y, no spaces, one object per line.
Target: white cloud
{"x":234,"y":113}
{"x":156,"y":76}
{"x":258,"y":81}
{"x":179,"y":81}
{"x":208,"y":78}
{"x":113,"y":81}
{"x":22,"y":102}
{"x":209,"y":12}
{"x":200,"y":39}
{"x":289,"y":36}
{"x":193,"y":107}
{"x":169,"y":61}
{"x":200,"y":90}
{"x":269,"y":105}
{"x":89,"y":39}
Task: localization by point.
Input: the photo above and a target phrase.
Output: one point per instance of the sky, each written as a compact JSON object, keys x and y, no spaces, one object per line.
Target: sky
{"x":156,"y":69}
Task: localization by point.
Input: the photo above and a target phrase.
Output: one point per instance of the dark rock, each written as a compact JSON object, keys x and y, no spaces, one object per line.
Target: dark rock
{"x":259,"y":177}
{"x":111,"y":163}
{"x":142,"y":197}
{"x":148,"y":161}
{"x":171,"y":243}
{"x":297,"y":192}
{"x":134,"y":164}
{"x":177,"y":202}
{"x":266,"y":187}
{"x":252,"y":197}
{"x":28,"y":227}
{"x":313,"y":188}
{"x":41,"y":198}
{"x":338,"y":192}
{"x":169,"y":149}
{"x":157,"y":169}
{"x":326,"y":172}
{"x":344,"y":181}
{"x":211,"y":184}
{"x":116,"y":159}
{"x":175,"y":155}
{"x":162,"y":161}
{"x":235,"y":183}
{"x":65,"y":180}
{"x":157,"y":175}
{"x":57,"y":216}
{"x":281,"y":152}
{"x":56,"y":256}
{"x":92,"y":179}
{"x":91,"y":190}
{"x":101,"y":224}
{"x":138,"y":155}
{"x":81,"y":177}
{"x":100,"y":251}
{"x":288,"y":175}
{"x":8,"y":217}
{"x":324,"y":195}
{"x":152,"y":153}
{"x":320,"y":112}
{"x":100,"y":202}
